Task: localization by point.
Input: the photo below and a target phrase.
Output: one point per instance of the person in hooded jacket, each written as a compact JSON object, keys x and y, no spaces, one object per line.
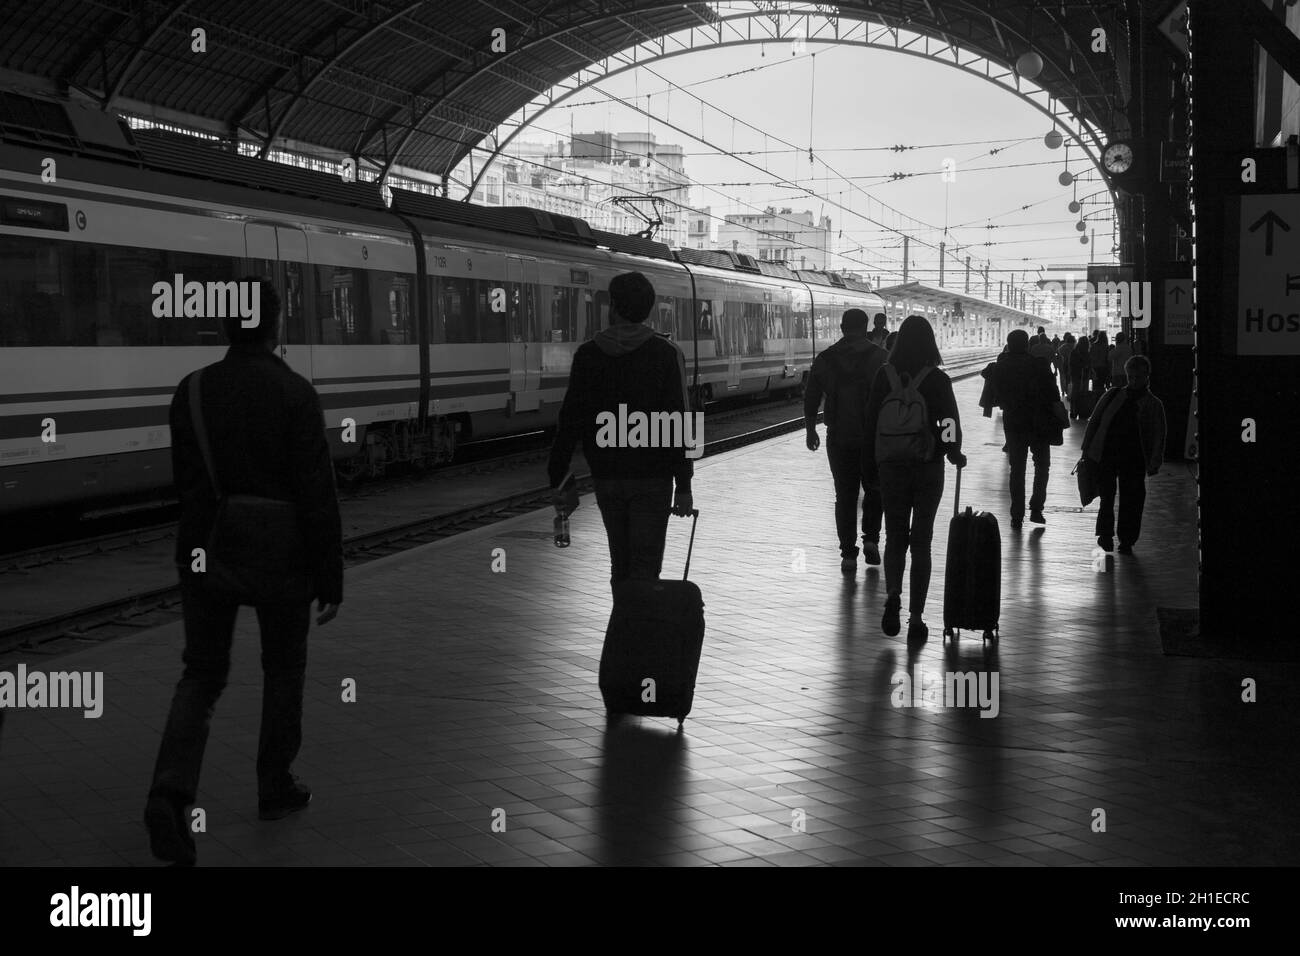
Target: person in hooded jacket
{"x":1125,"y":439}
{"x":843,"y":374}
{"x":1026,"y":390}
{"x":626,"y":364}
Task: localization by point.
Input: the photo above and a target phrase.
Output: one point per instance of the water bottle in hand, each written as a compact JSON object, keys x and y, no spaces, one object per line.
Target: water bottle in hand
{"x":561,"y":529}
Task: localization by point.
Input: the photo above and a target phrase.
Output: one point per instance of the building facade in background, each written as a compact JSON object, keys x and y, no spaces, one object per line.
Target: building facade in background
{"x":582,"y":175}
{"x":799,"y":240}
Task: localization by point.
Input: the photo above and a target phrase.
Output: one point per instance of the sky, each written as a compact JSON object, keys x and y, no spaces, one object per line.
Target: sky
{"x":850,"y":105}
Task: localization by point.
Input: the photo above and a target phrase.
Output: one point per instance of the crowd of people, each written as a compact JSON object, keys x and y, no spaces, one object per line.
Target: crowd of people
{"x":892,"y":421}
{"x":1107,"y":385}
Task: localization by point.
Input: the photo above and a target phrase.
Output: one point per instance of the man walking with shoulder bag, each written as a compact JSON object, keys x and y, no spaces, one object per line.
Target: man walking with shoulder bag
{"x":259,"y":525}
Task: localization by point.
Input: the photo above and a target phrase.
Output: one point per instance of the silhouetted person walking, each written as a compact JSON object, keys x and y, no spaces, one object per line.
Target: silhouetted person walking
{"x":906,"y":459}
{"x":1026,"y":390}
{"x":1120,"y":353}
{"x":264,"y":434}
{"x":844,"y":373}
{"x":1080,"y":370}
{"x":626,"y":364}
{"x":880,"y":330}
{"x":1126,"y":439}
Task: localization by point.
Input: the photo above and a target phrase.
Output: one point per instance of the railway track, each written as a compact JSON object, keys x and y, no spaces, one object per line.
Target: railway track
{"x":62,"y":632}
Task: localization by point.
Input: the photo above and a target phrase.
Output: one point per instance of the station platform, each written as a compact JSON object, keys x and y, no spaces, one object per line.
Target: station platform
{"x":476,"y":696}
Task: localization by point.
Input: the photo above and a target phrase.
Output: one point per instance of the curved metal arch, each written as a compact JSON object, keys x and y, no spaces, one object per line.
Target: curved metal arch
{"x":326,"y":65}
{"x":562,"y":18}
{"x":111,"y":95}
{"x":859,"y":12}
{"x":1079,"y":136}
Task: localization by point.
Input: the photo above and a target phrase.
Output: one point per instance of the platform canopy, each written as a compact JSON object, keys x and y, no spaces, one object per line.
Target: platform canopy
{"x":421,"y":85}
{"x":909,"y":297}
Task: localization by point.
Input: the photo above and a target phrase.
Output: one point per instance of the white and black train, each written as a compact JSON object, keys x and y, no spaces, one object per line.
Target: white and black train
{"x":425,"y":322}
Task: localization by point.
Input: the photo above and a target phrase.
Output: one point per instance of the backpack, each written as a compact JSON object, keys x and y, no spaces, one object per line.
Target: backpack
{"x":851,"y":387}
{"x":903,"y":432}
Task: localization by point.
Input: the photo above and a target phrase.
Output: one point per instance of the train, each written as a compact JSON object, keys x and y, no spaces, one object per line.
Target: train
{"x":422,"y":322}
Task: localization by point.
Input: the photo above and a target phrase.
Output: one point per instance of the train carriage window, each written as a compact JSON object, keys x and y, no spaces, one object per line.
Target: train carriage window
{"x":704,"y":322}
{"x":397,"y":330}
{"x":560,"y":313}
{"x":295,"y":322}
{"x":343,"y":305}
{"x":60,"y":293}
{"x":597,"y":312}
{"x":457,"y":310}
{"x":662,"y":316}
{"x":496,"y":302}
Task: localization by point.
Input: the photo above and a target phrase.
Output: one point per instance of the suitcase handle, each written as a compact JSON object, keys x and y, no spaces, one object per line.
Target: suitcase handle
{"x":695,"y":517}
{"x":956,"y":498}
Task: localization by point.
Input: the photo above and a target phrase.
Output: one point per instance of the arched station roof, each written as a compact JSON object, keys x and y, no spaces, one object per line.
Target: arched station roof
{"x":422,"y":84}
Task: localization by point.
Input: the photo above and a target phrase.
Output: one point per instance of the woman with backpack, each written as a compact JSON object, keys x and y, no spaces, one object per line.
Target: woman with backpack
{"x":913,"y":415}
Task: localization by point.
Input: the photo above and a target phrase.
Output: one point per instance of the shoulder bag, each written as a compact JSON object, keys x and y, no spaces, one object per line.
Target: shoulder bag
{"x":255,"y":552}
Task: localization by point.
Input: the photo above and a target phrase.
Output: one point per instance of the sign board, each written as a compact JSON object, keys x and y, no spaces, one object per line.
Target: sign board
{"x":1174,"y":26}
{"x":1174,"y":163}
{"x":1268,"y":276}
{"x":1110,"y":273}
{"x":1178,"y":312}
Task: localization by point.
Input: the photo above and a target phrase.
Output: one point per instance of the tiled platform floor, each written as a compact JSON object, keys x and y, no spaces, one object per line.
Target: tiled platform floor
{"x":476,"y":692}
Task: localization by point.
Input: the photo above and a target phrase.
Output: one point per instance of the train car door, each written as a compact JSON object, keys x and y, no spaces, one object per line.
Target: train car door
{"x":293,"y":255}
{"x":522,"y":398}
{"x":736,"y":328}
{"x":532,"y":310}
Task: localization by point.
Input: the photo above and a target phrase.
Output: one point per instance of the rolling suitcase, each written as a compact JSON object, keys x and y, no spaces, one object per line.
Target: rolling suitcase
{"x":972,"y":591}
{"x":652,"y":646}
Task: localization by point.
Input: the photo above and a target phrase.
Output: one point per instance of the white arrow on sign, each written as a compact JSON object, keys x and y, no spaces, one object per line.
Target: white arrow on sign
{"x":1178,"y":312}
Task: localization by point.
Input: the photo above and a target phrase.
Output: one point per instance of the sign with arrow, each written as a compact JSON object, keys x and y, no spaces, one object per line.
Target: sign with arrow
{"x":1268,"y":279}
{"x":1178,"y":312}
{"x":1174,"y":26}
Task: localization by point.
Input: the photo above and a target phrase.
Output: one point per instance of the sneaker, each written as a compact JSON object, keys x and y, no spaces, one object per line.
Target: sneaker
{"x":870,"y":552}
{"x":1017,"y":524}
{"x":917,"y":632}
{"x":1106,"y":544}
{"x":1037,"y":517}
{"x":170,"y":839}
{"x":1125,"y":548}
{"x":284,"y":803}
{"x":848,"y":566}
{"x":890,"y":623}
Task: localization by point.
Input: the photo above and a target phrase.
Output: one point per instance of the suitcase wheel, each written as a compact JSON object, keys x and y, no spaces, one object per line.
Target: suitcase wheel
{"x":948,"y":633}
{"x":991,"y":636}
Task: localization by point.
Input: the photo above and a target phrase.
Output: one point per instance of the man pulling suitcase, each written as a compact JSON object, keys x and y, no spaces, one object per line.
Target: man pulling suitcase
{"x":627,"y":368}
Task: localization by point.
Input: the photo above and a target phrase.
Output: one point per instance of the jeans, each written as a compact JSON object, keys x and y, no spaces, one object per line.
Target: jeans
{"x":1132,"y":481}
{"x":1018,"y":449}
{"x":846,"y":468}
{"x":209,"y":629}
{"x":911,"y":495}
{"x":635,"y":512}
